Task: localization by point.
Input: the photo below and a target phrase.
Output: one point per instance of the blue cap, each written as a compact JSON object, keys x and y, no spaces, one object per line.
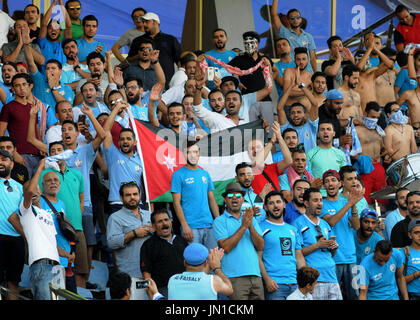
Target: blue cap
{"x":369,"y":213}
{"x":413,"y":223}
{"x":334,"y":94}
{"x":195,"y":254}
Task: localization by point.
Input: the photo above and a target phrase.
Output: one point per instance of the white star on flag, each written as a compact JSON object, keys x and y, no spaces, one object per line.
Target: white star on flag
{"x":169,"y":162}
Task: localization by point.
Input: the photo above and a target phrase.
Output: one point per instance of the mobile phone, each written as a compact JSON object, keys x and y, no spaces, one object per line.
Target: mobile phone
{"x":95,"y":76}
{"x":217,"y":73}
{"x":210,"y":74}
{"x":82,"y":118}
{"x":333,"y":238}
{"x":142,"y":284}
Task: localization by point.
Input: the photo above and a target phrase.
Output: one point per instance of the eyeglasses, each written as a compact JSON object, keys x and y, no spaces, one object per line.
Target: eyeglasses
{"x":145,"y":49}
{"x":231,"y":195}
{"x":131,"y":87}
{"x":113,"y":102}
{"x":299,"y":147}
{"x":8,"y":186}
{"x":295,"y":18}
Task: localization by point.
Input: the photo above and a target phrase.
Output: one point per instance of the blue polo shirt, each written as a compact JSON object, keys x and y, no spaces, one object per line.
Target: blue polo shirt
{"x":306,"y":132}
{"x":121,"y":169}
{"x":82,"y":160}
{"x":304,"y":39}
{"x":62,"y":242}
{"x":193,"y":185}
{"x":85,"y":48}
{"x":242,"y":260}
{"x":413,"y":265}
{"x":364,"y":249}
{"x":251,"y":199}
{"x":51,"y":50}
{"x":360,"y":206}
{"x":291,"y":213}
{"x":43,"y":92}
{"x":319,"y":259}
{"x":380,"y":280}
{"x":279,"y":254}
{"x":9,"y":203}
{"x":96,"y":110}
{"x":346,"y":252}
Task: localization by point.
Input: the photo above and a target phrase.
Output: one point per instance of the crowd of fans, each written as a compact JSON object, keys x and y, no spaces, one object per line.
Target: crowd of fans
{"x":299,"y":222}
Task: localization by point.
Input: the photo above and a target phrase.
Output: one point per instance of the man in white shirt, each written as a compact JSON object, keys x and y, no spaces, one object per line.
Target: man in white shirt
{"x":6,"y":23}
{"x":307,"y":280}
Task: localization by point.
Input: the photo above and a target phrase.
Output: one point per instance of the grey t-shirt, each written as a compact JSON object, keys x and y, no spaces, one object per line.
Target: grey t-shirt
{"x":9,"y":47}
{"x":128,"y":37}
{"x":102,"y":87}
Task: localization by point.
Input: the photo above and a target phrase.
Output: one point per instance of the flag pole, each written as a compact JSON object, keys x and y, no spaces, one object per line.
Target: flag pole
{"x":139,"y":151}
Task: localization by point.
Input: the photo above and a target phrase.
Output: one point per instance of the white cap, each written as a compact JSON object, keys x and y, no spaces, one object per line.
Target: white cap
{"x":151,"y":16}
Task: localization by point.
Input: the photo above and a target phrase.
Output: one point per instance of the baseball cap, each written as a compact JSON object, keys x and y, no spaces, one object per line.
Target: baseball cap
{"x":195,"y":254}
{"x":413,"y":223}
{"x":329,"y":173}
{"x":369,"y":213}
{"x":230,"y":78}
{"x":334,"y":94}
{"x":151,"y":16}
{"x":6,"y":153}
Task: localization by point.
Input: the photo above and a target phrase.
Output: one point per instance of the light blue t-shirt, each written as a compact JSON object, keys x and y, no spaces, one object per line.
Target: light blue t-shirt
{"x":69,"y":75}
{"x":225,"y":57}
{"x":9,"y":95}
{"x":51,"y":50}
{"x":380,"y":280}
{"x":191,"y":286}
{"x":121,"y":169}
{"x":279,"y":254}
{"x":404,"y":82}
{"x":82,"y":160}
{"x":251,"y":199}
{"x":98,"y":109}
{"x":364,"y":249}
{"x":62,"y":242}
{"x":248,"y":100}
{"x":242,"y":260}
{"x":9,"y":203}
{"x":319,"y":259}
{"x":85,"y":48}
{"x":284,"y":179}
{"x":392,"y":218}
{"x":306,"y":133}
{"x":346,"y":252}
{"x":413,"y":265}
{"x":194,"y":185}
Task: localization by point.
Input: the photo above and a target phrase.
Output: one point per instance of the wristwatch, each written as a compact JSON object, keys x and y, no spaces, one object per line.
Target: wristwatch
{"x":154,"y":62}
{"x":75,"y":67}
{"x":301,"y":85}
{"x":55,"y":88}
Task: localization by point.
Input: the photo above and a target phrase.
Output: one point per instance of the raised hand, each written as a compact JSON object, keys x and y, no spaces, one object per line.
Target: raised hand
{"x":154,"y":55}
{"x":155,"y":92}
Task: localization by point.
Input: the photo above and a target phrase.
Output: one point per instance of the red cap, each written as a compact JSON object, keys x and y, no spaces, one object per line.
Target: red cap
{"x":329,"y":173}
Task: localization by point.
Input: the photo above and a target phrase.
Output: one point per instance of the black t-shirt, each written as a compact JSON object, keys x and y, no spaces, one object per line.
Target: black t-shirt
{"x":254,"y":81}
{"x":325,"y":115}
{"x":34,"y":34}
{"x":19,"y":173}
{"x":399,"y":234}
{"x":161,"y":259}
{"x":169,"y":51}
{"x":330,"y":79}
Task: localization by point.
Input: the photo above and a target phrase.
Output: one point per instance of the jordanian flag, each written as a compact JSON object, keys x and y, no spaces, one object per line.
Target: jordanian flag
{"x":161,"y":151}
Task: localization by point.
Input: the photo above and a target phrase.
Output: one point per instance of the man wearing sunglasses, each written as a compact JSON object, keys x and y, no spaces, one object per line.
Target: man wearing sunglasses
{"x":12,"y":254}
{"x":240,"y":236}
{"x":297,"y":36}
{"x":74,"y":8}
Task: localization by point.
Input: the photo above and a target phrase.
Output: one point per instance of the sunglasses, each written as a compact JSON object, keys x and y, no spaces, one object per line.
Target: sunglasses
{"x":75,"y":8}
{"x":8,"y":186}
{"x":231,"y":195}
{"x":295,"y":18}
{"x":145,"y":49}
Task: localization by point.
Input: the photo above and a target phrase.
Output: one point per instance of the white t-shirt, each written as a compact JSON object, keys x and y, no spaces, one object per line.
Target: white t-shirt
{"x":54,"y":134}
{"x":5,"y":24}
{"x":39,"y":229}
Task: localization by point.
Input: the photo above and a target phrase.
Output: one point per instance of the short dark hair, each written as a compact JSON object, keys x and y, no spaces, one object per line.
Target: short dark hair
{"x":384,"y":246}
{"x":411,"y":194}
{"x":289,"y":130}
{"x":219,"y":29}
{"x":137,"y":9}
{"x":10,"y":63}
{"x":187,"y":58}
{"x":159,"y":211}
{"x":119,"y":282}
{"x":130,"y":184}
{"x":400,"y":8}
{"x":8,"y":139}
{"x":282,"y":39}
{"x":54,"y":143}
{"x":372,"y":105}
{"x":242,"y":165}
{"x":346,"y":169}
{"x":349,"y":69}
{"x":291,"y":10}
{"x":67,"y":3}
{"x":298,"y":181}
{"x":323,"y":121}
{"x":251,"y":34}
{"x":318,"y":74}
{"x":306,"y":275}
{"x":56,"y":62}
{"x":138,"y":80}
{"x":331,"y":39}
{"x":60,"y":103}
{"x":187,"y":96}
{"x":87,"y":83}
{"x":71,"y":122}
{"x":387,"y":107}
{"x":176,"y":104}
{"x":145,"y":40}
{"x":94,"y":55}
{"x":89,"y":17}
{"x":308,"y":192}
{"x":300,"y":50}
{"x":31,"y":5}
{"x":399,"y":190}
{"x":67,"y":41}
{"x":128,"y":130}
{"x":213,"y":91}
{"x":236,"y":92}
{"x":25,"y":76}
{"x":402,"y":59}
{"x":298,"y":104}
{"x":272,"y":194}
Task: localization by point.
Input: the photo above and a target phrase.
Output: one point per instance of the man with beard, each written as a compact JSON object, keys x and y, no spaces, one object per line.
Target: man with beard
{"x":217,"y":101}
{"x":86,"y":42}
{"x":399,"y":234}
{"x":317,"y":247}
{"x":121,"y":119}
{"x":297,"y":36}
{"x":8,"y":70}
{"x":398,"y":214}
{"x":73,"y":70}
{"x":96,"y":65}
{"x":280,"y":259}
{"x":140,"y":107}
{"x":299,"y":76}
{"x":240,"y":236}
{"x":220,"y":52}
{"x":351,"y":98}
{"x":342,"y":216}
{"x":127,"y":230}
{"x":168,"y":46}
{"x":366,"y":237}
{"x":295,"y":208}
{"x":319,"y":84}
{"x":124,"y":162}
{"x":50,"y":33}
{"x":19,"y":171}
{"x":193,"y":199}
{"x":147,"y":67}
{"x":349,"y":181}
{"x":161,"y":255}
{"x":12,"y":254}
{"x":306,"y":128}
{"x":245,"y":177}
